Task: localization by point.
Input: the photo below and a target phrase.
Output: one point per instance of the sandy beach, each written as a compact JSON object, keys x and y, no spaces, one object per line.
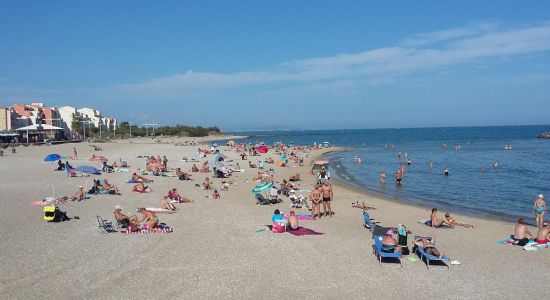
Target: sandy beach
{"x":215,"y":250}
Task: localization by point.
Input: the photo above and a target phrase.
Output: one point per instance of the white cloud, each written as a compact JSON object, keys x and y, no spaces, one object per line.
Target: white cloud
{"x":455,"y":46}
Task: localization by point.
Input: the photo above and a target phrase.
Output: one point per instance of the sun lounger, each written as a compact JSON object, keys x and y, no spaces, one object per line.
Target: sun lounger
{"x":428,"y":257}
{"x":377,"y":250}
{"x":261,"y":200}
{"x":104,"y":226}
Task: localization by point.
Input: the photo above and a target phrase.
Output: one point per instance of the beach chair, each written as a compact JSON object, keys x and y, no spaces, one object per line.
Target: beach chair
{"x":261,"y":200}
{"x":104,"y":226}
{"x":274,"y":197}
{"x":377,"y":250}
{"x":428,"y":257}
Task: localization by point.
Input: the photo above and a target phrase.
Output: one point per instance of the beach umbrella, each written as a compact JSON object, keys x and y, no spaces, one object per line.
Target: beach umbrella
{"x":87,"y":169}
{"x":262,"y":188}
{"x":52,"y":157}
{"x":98,"y":158}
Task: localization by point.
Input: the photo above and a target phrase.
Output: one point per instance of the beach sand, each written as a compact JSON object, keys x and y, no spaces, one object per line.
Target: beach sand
{"x":215,"y":251}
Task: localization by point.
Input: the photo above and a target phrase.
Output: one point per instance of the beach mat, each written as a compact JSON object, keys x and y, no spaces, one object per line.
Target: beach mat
{"x":304,"y":231}
{"x":146,"y":231}
{"x":530,"y":244}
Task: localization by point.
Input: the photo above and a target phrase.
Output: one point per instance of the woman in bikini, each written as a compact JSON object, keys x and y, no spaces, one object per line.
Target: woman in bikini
{"x":150,"y":218}
{"x":436,"y":222}
{"x":452,"y":221}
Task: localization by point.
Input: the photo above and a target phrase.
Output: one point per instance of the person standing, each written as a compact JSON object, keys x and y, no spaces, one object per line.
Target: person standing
{"x":539,"y":209}
{"x":165,"y":163}
{"x":75,"y":153}
{"x":315,"y":198}
{"x":398,"y":177}
{"x":382,"y":177}
{"x":328,"y":196}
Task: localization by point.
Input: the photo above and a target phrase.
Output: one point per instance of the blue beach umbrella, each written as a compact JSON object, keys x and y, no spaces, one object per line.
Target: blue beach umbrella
{"x":262,"y":188}
{"x":52,"y":157}
{"x":87,"y":169}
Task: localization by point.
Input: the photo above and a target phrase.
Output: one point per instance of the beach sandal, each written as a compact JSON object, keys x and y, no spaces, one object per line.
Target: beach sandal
{"x":455,"y":262}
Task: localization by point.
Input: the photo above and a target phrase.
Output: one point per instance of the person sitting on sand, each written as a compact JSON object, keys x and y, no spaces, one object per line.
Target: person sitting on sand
{"x":292,"y":221}
{"x":60,"y":165}
{"x":78,"y":195}
{"x":452,"y":221}
{"x":389,"y":244}
{"x":543,"y":236}
{"x":165,"y":204}
{"x":436,"y":222}
{"x":205,"y":168}
{"x":138,"y":178}
{"x":110,"y":188}
{"x":121,"y":218}
{"x":522,"y":235}
{"x":150,"y":218}
{"x":427,"y":243}
{"x":140,"y":187}
{"x":182,"y":175}
{"x":174,"y":195}
{"x":251,"y":165}
{"x":295,"y":177}
{"x":194,"y":168}
{"x":206,"y":184}
{"x":258,"y":176}
{"x":216,"y":195}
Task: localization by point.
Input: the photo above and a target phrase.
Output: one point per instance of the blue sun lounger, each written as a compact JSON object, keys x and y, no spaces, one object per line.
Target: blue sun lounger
{"x":377,"y":250}
{"x":428,"y":257}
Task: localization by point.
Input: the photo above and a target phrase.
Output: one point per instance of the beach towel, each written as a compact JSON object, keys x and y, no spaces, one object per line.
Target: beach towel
{"x":530,"y":245}
{"x":122,"y":170}
{"x":304,"y":231}
{"x":145,"y":191}
{"x":429,"y":224}
{"x":163,"y":230}
{"x":301,"y":217}
{"x":131,"y":181}
{"x":159,"y":210}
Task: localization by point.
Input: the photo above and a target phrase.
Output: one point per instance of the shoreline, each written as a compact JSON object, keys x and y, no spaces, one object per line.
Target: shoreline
{"x":454,"y":209}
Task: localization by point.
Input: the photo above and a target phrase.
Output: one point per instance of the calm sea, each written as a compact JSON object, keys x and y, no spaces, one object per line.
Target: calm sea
{"x":505,"y":192}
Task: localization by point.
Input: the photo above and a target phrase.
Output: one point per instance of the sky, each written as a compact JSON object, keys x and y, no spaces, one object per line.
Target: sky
{"x":282,"y":65}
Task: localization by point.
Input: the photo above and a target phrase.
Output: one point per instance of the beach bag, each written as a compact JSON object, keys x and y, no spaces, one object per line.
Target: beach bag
{"x":402,"y":235}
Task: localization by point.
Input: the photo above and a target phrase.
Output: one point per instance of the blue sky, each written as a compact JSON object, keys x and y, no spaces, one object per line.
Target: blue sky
{"x":245,"y":65}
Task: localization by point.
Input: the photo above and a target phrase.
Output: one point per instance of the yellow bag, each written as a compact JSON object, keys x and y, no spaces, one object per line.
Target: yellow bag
{"x":49,"y":212}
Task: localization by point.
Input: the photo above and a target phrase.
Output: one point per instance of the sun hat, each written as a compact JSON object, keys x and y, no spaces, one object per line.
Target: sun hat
{"x":118,"y":207}
{"x":541,"y":196}
{"x":389,"y":232}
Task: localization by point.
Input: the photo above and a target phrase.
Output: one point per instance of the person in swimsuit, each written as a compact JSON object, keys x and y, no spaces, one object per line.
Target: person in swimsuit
{"x":122,"y":218}
{"x":150,"y":218}
{"x":328,"y":195}
{"x":382,"y":177}
{"x":78,"y":195}
{"x":522,"y":235}
{"x":436,"y":222}
{"x":315,"y":198}
{"x":446,"y":172}
{"x":539,"y":209}
{"x":452,"y":221}
{"x":166,"y":205}
{"x":389,"y":244}
{"x":292,"y":221}
{"x":427,"y":243}
{"x":398,"y":177}
{"x":543,"y":236}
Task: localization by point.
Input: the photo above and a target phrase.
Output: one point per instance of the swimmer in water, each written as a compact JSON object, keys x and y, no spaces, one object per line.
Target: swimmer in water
{"x":495,"y":164}
{"x":382,"y":177}
{"x":483,"y":170}
{"x":446,"y":172}
{"x":430,"y":165}
{"x":409,"y":162}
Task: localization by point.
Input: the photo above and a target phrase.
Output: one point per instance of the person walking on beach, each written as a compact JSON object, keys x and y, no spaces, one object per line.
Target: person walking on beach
{"x":315,"y":198}
{"x":539,"y":209}
{"x":328,"y":195}
{"x":75,"y":153}
{"x":165,"y":162}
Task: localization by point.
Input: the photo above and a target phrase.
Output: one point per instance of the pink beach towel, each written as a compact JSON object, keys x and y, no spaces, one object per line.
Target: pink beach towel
{"x":304,"y":231}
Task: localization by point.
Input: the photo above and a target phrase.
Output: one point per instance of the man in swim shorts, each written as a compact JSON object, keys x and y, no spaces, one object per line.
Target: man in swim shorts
{"x":328,"y":195}
{"x":427,"y":243}
{"x":389,"y":244}
{"x":543,"y":235}
{"x":521,"y":233}
{"x":315,"y":198}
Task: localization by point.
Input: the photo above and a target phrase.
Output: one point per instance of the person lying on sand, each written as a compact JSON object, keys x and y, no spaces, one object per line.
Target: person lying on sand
{"x":182,"y":175}
{"x":389,"y":244}
{"x":362,"y":206}
{"x":543,"y":236}
{"x":78,"y":195}
{"x":258,"y":176}
{"x":110,"y":188}
{"x":427,"y":243}
{"x":295,"y":177}
{"x":136,"y":178}
{"x":436,"y":222}
{"x":452,"y":221}
{"x":165,"y":204}
{"x":140,"y":187}
{"x":174,"y":195}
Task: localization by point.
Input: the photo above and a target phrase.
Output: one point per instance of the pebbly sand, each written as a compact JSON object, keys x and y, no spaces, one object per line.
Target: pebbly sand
{"x":215,"y":251}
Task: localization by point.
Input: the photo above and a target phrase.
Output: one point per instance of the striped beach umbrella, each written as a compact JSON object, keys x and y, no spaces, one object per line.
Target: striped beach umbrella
{"x":262,"y":188}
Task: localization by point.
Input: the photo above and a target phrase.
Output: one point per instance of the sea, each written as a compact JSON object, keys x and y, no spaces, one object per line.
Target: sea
{"x":474,"y":186}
